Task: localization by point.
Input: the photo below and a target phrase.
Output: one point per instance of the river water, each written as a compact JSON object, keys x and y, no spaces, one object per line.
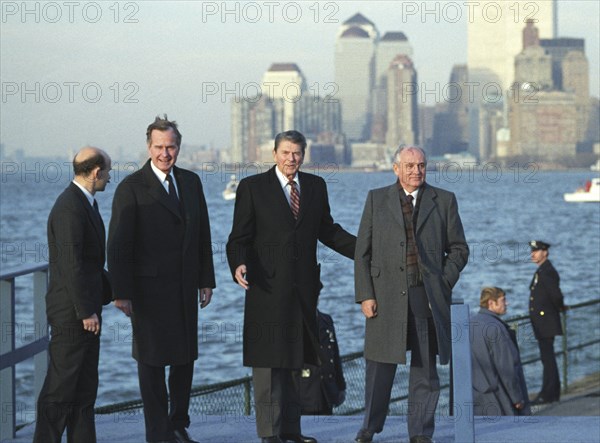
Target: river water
{"x":502,"y":208}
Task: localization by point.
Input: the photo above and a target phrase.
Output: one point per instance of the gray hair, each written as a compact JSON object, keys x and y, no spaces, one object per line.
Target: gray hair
{"x":403,"y":148}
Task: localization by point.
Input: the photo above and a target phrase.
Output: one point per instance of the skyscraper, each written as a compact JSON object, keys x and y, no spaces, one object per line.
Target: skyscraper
{"x":402,"y":102}
{"x":354,"y":74}
{"x":388,"y":47}
{"x":495,"y":37}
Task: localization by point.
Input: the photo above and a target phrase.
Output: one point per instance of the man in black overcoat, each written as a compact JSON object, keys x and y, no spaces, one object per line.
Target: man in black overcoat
{"x":159,"y":251}
{"x":78,"y":288}
{"x":272,"y":251}
{"x":545,"y":304}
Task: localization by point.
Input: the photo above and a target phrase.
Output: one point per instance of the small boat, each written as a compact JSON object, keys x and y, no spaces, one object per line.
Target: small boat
{"x":596,"y":166}
{"x":230,"y":188}
{"x":589,"y":193}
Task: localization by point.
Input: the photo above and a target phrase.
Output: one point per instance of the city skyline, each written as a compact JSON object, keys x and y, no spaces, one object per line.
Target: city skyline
{"x":94,"y":75}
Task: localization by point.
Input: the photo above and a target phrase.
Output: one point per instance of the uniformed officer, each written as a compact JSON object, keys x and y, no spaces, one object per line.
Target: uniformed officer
{"x":545,"y":303}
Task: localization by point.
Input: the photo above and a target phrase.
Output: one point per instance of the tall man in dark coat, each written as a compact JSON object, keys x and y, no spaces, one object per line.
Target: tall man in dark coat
{"x":159,"y":251}
{"x":279,"y":216}
{"x":545,"y":303}
{"x":77,"y":290}
{"x":409,"y":253}
{"x":499,"y":386}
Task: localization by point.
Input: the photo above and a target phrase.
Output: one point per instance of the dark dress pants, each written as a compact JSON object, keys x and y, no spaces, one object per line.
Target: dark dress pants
{"x":164,"y":412}
{"x":276,"y":402}
{"x":423,"y":384}
{"x":69,"y":392}
{"x":551,"y":382}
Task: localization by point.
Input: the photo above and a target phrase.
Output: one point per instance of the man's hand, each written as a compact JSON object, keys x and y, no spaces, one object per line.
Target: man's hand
{"x":240,"y":276}
{"x":369,"y":308}
{"x":125,"y":306}
{"x":519,"y":405}
{"x":205,"y":296}
{"x":92,"y":324}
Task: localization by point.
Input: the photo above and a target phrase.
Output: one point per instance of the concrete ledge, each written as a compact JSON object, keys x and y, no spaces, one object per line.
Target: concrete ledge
{"x":337,"y":429}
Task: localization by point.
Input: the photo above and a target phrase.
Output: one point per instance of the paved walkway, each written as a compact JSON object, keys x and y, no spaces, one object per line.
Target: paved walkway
{"x":576,"y":419}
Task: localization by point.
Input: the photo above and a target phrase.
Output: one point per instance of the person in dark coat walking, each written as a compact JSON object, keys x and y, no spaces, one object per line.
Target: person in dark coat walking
{"x":546,"y":301}
{"x":159,"y":252}
{"x":278,"y":218}
{"x":77,"y":289}
{"x":320,"y":388}
{"x":499,"y":386}
{"x":410,"y":251}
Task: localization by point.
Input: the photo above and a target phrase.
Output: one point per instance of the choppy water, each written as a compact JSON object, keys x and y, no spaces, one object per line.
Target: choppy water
{"x":501,"y":209}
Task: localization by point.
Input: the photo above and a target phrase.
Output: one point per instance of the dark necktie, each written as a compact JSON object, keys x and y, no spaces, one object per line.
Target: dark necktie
{"x":172,"y":191}
{"x":410,"y":199}
{"x":98,"y":216}
{"x":294,"y":199}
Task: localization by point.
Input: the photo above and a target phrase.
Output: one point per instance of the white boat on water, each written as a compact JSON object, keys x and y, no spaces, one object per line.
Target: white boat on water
{"x":230,"y":189}
{"x":595,"y":166}
{"x":589,"y":193}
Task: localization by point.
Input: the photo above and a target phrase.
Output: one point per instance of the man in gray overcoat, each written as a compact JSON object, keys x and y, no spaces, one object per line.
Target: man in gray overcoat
{"x":498,"y":382}
{"x":410,"y":251}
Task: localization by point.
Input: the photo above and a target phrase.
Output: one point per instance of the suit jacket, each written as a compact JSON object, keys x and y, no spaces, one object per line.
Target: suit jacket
{"x":280,"y":254}
{"x":498,"y":379}
{"x":546,"y":301}
{"x":160,"y":256}
{"x":380,"y":267}
{"x":78,"y":285}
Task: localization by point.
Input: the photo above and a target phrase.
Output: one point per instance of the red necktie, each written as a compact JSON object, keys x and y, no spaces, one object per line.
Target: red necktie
{"x":294,"y":199}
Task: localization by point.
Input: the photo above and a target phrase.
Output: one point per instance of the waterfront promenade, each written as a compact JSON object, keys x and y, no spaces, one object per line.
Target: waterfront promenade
{"x":576,"y":419}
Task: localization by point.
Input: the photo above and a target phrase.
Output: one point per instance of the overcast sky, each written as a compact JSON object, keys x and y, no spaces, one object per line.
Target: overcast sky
{"x":77,"y":73}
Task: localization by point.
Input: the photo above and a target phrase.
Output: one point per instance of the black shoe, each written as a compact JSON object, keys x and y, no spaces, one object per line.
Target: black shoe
{"x":421,"y":439}
{"x":273,"y":439}
{"x":297,"y":438}
{"x":181,"y":436}
{"x":364,"y":436}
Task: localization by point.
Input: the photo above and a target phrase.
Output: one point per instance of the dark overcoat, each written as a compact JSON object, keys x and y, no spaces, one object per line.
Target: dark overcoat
{"x":160,"y":256}
{"x":280,"y":254}
{"x":380,"y":267}
{"x":498,"y":379}
{"x":78,"y":284}
{"x":546,"y":301}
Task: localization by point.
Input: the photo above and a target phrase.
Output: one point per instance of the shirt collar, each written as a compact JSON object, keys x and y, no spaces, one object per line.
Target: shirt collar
{"x":283,"y":179}
{"x":87,"y":193}
{"x":160,"y":174}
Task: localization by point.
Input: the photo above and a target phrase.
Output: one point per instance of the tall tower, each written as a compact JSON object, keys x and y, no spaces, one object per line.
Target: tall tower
{"x":354,"y":74}
{"x":494,"y":34}
{"x":284,"y":83}
{"x":402,"y":102}
{"x":390,"y":45}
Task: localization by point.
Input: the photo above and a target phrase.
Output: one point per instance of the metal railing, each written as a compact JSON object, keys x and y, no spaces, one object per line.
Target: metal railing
{"x":236,"y":396}
{"x":36,"y":349}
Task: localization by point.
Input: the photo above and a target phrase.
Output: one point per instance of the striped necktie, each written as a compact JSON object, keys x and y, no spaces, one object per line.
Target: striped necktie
{"x":294,"y":199}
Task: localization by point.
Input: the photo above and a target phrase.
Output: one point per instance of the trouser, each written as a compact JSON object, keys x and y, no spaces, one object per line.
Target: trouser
{"x":165,"y":412}
{"x":550,"y":382}
{"x":69,"y":392}
{"x":276,"y":402}
{"x":423,"y":384}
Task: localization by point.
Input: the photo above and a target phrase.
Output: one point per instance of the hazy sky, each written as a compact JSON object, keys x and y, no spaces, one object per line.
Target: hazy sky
{"x":76,"y":73}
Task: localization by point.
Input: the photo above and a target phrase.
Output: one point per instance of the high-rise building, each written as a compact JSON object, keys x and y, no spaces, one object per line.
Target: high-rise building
{"x":558,"y":48}
{"x":388,"y":47}
{"x":402,"y":112}
{"x":284,"y":104}
{"x":495,"y":37}
{"x":354,"y":74}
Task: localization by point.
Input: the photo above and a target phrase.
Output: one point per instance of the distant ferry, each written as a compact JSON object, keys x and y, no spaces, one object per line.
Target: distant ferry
{"x":230,"y":189}
{"x":590,"y":193}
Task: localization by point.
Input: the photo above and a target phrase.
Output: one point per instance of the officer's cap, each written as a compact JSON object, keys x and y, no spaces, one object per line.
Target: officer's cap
{"x":538,"y":244}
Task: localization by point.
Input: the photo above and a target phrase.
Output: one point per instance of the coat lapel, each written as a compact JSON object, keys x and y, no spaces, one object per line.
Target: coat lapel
{"x":90,"y":212}
{"x":426,"y":205}
{"x":307,"y":193}
{"x":394,"y":204}
{"x":158,"y":192}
